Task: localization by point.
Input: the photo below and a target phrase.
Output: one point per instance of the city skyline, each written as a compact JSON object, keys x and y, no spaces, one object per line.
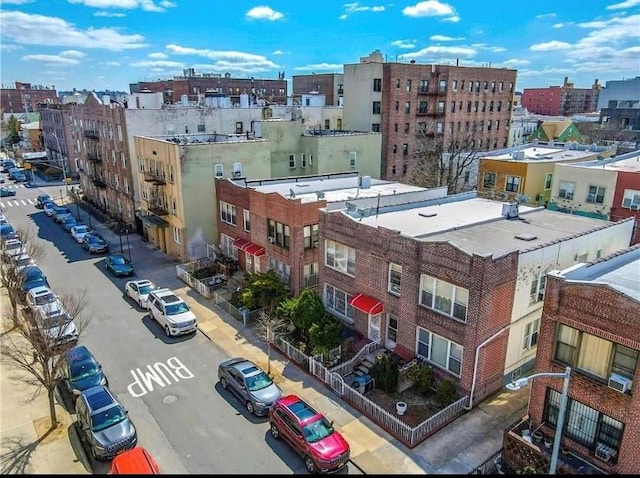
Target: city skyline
{"x":108,"y":44}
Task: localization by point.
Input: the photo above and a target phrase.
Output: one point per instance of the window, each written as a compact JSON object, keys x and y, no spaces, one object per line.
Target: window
{"x":442,"y":86}
{"x":548,"y":179}
{"x":237,"y":170}
{"x":407,"y":106}
{"x":218,"y":170}
{"x":453,"y":106}
{"x":303,"y":160}
{"x":531,"y":331}
{"x":408,"y":85}
{"x":239,"y":127}
{"x":596,"y":195}
{"x":311,"y":160}
{"x":392,"y":328}
{"x":377,"y":84}
{"x":584,"y":424}
{"x":454,"y":85}
{"x":423,"y":107}
{"x":443,"y":297}
{"x":405,"y":149}
{"x":566,"y":189}
{"x":489,"y":180}
{"x":439,"y":351}
{"x":631,"y":199}
{"x":376,"y":108}
{"x":375,"y":127}
{"x":340,"y":257}
{"x":337,"y":302}
{"x":423,"y":86}
{"x":398,"y":83}
{"x":310,"y":272}
{"x":537,"y":287}
{"x":280,"y":268}
{"x":395,"y":127}
{"x":228,"y":213}
{"x":395,"y":148}
{"x":292,"y":161}
{"x":512,"y":184}
{"x":327,"y":124}
{"x":279,"y":232}
{"x":247,"y":219}
{"x":310,"y":236}
{"x":176,"y":235}
{"x":395,"y":278}
{"x":594,"y":355}
{"x":407,"y":126}
{"x":440,"y":107}
{"x":397,"y":106}
{"x":352,"y":159}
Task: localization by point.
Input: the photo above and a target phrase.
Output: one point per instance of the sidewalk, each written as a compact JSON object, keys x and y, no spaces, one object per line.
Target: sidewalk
{"x":458,"y":448}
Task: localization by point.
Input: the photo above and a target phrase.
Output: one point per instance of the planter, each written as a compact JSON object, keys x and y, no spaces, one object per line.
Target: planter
{"x":401,"y":408}
{"x":548,"y":442}
{"x":537,"y":437}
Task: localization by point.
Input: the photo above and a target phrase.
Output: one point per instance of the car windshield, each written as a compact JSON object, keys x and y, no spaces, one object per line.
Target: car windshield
{"x":177,"y":308}
{"x":13,"y":245}
{"x":32,"y":273}
{"x":258,"y":382}
{"x":316,"y":431}
{"x":118,"y":260}
{"x":95,"y":239}
{"x":105,"y":419}
{"x":23,"y":261}
{"x":45,"y":298}
{"x":49,"y":205}
{"x":80,"y":370}
{"x":81,"y":229}
{"x":145,"y":289}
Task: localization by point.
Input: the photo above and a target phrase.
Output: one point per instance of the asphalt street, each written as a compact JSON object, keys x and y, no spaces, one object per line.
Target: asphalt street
{"x":169,"y":385}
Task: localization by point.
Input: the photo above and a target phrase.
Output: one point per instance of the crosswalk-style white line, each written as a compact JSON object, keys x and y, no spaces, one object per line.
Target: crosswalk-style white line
{"x":16,"y":202}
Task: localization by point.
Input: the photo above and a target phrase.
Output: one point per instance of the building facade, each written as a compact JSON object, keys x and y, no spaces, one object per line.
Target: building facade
{"x":562,"y":100}
{"x":57,"y":137}
{"x":25,"y":98}
{"x":421,"y":107}
{"x":619,"y":90}
{"x":329,"y":84}
{"x":622,"y":115}
{"x":590,"y":323}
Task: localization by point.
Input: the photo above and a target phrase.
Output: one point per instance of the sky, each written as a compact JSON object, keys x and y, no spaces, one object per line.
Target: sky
{"x":108,"y":44}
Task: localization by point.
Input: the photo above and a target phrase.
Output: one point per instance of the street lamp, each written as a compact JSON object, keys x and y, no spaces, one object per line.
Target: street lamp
{"x":564,"y":399}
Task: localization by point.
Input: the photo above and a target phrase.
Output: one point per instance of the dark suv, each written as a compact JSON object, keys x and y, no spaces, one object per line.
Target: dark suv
{"x":80,"y":371}
{"x":104,"y":423}
{"x":310,"y":434}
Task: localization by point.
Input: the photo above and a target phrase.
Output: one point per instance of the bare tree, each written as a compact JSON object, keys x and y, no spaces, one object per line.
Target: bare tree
{"x":12,"y":274}
{"x":269,"y":327}
{"x":36,"y":347}
{"x":446,"y":159}
{"x":601,"y":133}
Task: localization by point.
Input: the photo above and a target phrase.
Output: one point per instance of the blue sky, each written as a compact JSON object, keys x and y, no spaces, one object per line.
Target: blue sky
{"x":107,"y":44}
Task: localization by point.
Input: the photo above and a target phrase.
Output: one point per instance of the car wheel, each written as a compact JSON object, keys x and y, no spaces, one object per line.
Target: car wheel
{"x":275,"y":433}
{"x":309,"y":464}
{"x":223,"y":382}
{"x":140,"y":303}
{"x":250,"y":408}
{"x":167,"y":330}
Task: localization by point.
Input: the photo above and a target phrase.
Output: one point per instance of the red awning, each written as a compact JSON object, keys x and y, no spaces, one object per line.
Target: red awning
{"x":240,"y":243}
{"x":367,"y":304}
{"x":254,"y":250}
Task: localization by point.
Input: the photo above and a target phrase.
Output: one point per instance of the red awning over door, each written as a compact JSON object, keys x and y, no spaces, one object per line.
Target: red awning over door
{"x":367,"y":304}
{"x":248,"y":247}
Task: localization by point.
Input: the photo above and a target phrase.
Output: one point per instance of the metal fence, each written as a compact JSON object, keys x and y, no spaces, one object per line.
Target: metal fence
{"x":247,"y":317}
{"x":490,"y":466}
{"x":204,"y":287}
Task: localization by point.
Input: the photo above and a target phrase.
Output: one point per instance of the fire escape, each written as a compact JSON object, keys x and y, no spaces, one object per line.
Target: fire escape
{"x":95,"y":159}
{"x":155,"y":202}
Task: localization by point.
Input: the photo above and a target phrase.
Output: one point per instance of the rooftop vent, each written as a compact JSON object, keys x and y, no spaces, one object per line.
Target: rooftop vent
{"x":431,"y":214}
{"x":510,"y":210}
{"x":526,"y":237}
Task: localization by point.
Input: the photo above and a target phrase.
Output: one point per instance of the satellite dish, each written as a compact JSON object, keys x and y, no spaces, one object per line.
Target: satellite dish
{"x":350,"y":206}
{"x":292,"y":193}
{"x":320,"y":194}
{"x":522,"y":199}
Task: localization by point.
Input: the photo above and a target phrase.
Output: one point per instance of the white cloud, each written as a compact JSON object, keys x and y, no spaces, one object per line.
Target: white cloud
{"x":146,"y":5}
{"x":103,"y":13}
{"x":515,"y":62}
{"x":158,"y":56}
{"x":550,"y":46}
{"x":431,"y":8}
{"x":404,"y":43}
{"x":51,"y":59}
{"x":320,"y":67}
{"x":112,"y":63}
{"x":441,"y":51}
{"x":264,"y":13}
{"x":356,"y":7}
{"x":10,"y":47}
{"x":453,"y":19}
{"x":232,"y":61}
{"x":280,"y":52}
{"x":343,"y":17}
{"x":559,"y":25}
{"x":31,"y":29}
{"x":72,"y":54}
{"x":444,"y":38}
{"x":157,"y":64}
{"x":546,"y":15}
{"x":625,"y":4}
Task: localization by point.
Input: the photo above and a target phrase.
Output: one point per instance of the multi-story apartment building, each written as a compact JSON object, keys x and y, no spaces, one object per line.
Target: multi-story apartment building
{"x":526,"y":173}
{"x":102,"y":151}
{"x":329,"y":84}
{"x":562,"y":100}
{"x":601,"y":188}
{"x":456,"y":281}
{"x":273,"y":223}
{"x":420,"y":107}
{"x":55,"y":123}
{"x":622,"y":115}
{"x":619,"y":90}
{"x":25,"y":98}
{"x":590,"y":323}
{"x":192,"y":85}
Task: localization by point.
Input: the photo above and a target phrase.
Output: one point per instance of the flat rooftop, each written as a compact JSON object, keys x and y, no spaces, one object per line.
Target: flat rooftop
{"x":477,"y":225}
{"x":629,"y":162}
{"x":542,"y":153}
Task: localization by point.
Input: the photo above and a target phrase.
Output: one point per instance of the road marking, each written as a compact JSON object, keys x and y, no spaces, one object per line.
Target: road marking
{"x":9,"y":203}
{"x":156,"y":373}
{"x":31,"y":201}
{"x":24,"y":203}
{"x":1,"y":204}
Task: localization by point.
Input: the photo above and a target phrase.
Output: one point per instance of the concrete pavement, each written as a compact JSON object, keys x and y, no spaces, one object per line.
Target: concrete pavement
{"x":458,"y":448}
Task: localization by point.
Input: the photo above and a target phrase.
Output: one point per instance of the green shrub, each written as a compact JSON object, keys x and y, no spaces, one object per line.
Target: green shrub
{"x":422,"y":378}
{"x":385,"y":373}
{"x":446,"y":393}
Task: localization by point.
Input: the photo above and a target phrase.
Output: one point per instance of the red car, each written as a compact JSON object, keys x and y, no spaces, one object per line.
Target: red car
{"x":310,"y":434}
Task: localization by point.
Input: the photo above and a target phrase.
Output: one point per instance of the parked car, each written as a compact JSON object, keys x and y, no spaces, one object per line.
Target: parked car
{"x":7,"y":232}
{"x":68,"y":222}
{"x":255,"y":389}
{"x":48,"y":208}
{"x":8,"y":164}
{"x":7,"y":192}
{"x":43,"y":198}
{"x":60,"y":217}
{"x":12,"y":248}
{"x":20,"y":176}
{"x":138,"y":290}
{"x":79,"y":231}
{"x":137,"y":461}
{"x":80,"y":370}
{"x":104,"y":423}
{"x":60,"y":211}
{"x":94,"y":243}
{"x":118,"y":265}
{"x":57,"y":327}
{"x":43,"y":298}
{"x":13,"y":171}
{"x":171,"y":312}
{"x":33,"y":277}
{"x":309,"y":433}
{"x":23,"y":261}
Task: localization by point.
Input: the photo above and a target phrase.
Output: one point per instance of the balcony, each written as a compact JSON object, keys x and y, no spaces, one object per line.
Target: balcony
{"x":436,"y":112}
{"x":422,"y":112}
{"x":157,"y":178}
{"x":423,"y":91}
{"x":94,"y":156}
{"x":99,"y":183}
{"x":91,"y":134}
{"x":158,"y":209}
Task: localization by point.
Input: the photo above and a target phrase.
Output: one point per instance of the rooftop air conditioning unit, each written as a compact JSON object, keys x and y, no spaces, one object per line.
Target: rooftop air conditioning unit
{"x":271,"y":239}
{"x":604,"y":452}
{"x":619,"y":383}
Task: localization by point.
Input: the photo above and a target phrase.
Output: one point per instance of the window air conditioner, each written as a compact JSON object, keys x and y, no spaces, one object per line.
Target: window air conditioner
{"x":604,"y":452}
{"x":315,"y":244}
{"x":271,"y":239}
{"x":619,"y":383}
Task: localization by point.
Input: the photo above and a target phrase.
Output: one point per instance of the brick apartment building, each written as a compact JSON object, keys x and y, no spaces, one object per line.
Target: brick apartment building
{"x":591,"y":322}
{"x":562,"y":100}
{"x":427,"y":106}
{"x":25,"y":97}
{"x":55,"y":123}
{"x":450,"y":279}
{"x":329,"y":84}
{"x":192,"y":85}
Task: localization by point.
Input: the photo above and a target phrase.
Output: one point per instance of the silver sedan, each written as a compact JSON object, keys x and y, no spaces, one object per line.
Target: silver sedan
{"x":138,"y":290}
